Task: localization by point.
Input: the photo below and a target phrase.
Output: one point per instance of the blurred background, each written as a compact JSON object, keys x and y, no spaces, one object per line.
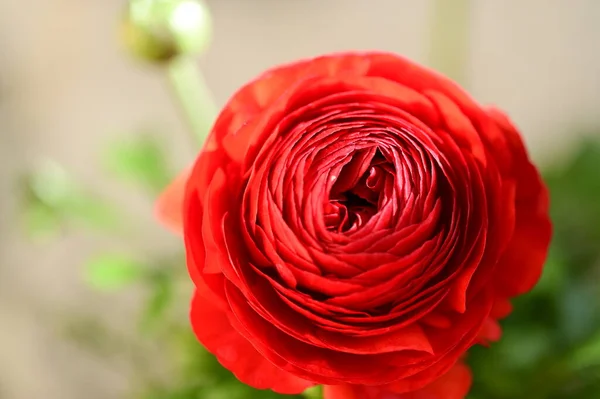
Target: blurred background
{"x":89,"y":135}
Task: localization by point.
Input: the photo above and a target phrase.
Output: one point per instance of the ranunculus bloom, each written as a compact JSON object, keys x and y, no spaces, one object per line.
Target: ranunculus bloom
{"x":359,"y":221}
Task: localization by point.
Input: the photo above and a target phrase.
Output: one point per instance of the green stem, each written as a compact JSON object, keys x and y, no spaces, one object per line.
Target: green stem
{"x":449,"y":38}
{"x":194,"y":96}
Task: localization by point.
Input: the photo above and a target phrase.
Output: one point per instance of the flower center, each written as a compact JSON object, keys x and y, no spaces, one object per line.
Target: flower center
{"x":356,"y":193}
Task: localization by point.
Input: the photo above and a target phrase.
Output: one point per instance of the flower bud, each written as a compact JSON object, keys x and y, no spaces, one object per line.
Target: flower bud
{"x":159,"y":30}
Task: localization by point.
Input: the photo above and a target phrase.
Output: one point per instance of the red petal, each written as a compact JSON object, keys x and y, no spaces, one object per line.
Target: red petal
{"x":521,"y":265}
{"x":406,"y":72}
{"x":502,"y":308}
{"x":455,"y":384}
{"x":262,"y":92}
{"x":169,"y":205}
{"x":490,"y":331}
{"x":212,"y":327}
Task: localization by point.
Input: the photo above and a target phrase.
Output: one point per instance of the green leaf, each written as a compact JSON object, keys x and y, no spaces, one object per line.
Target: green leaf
{"x":112,"y":271}
{"x":141,"y":160}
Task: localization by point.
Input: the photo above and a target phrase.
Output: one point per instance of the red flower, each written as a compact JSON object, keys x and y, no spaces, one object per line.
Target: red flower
{"x":359,"y":221}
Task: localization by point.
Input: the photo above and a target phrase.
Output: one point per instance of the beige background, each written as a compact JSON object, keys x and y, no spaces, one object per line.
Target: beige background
{"x":66,"y":89}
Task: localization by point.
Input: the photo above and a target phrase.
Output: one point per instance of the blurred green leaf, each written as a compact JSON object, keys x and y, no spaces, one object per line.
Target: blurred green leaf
{"x":580,"y":310}
{"x":41,"y":220}
{"x":51,"y":199}
{"x":523,"y":346}
{"x":575,"y":209}
{"x":555,"y":274}
{"x":587,"y":355}
{"x":140,"y":160}
{"x":160,"y":297}
{"x":91,"y":211}
{"x":113,"y":271}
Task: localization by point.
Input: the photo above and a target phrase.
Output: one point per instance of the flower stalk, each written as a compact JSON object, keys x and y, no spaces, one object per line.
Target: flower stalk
{"x":171,"y":34}
{"x":193,"y":95}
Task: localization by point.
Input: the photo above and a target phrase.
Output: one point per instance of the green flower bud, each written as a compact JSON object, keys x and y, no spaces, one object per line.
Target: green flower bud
{"x":159,"y":30}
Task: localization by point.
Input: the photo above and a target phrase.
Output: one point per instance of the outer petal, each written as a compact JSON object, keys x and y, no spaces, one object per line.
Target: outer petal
{"x":455,"y":384}
{"x":212,"y":327}
{"x":263,"y":91}
{"x":490,"y":331}
{"x":418,"y":77}
{"x":521,"y":265}
{"x":169,"y":206}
